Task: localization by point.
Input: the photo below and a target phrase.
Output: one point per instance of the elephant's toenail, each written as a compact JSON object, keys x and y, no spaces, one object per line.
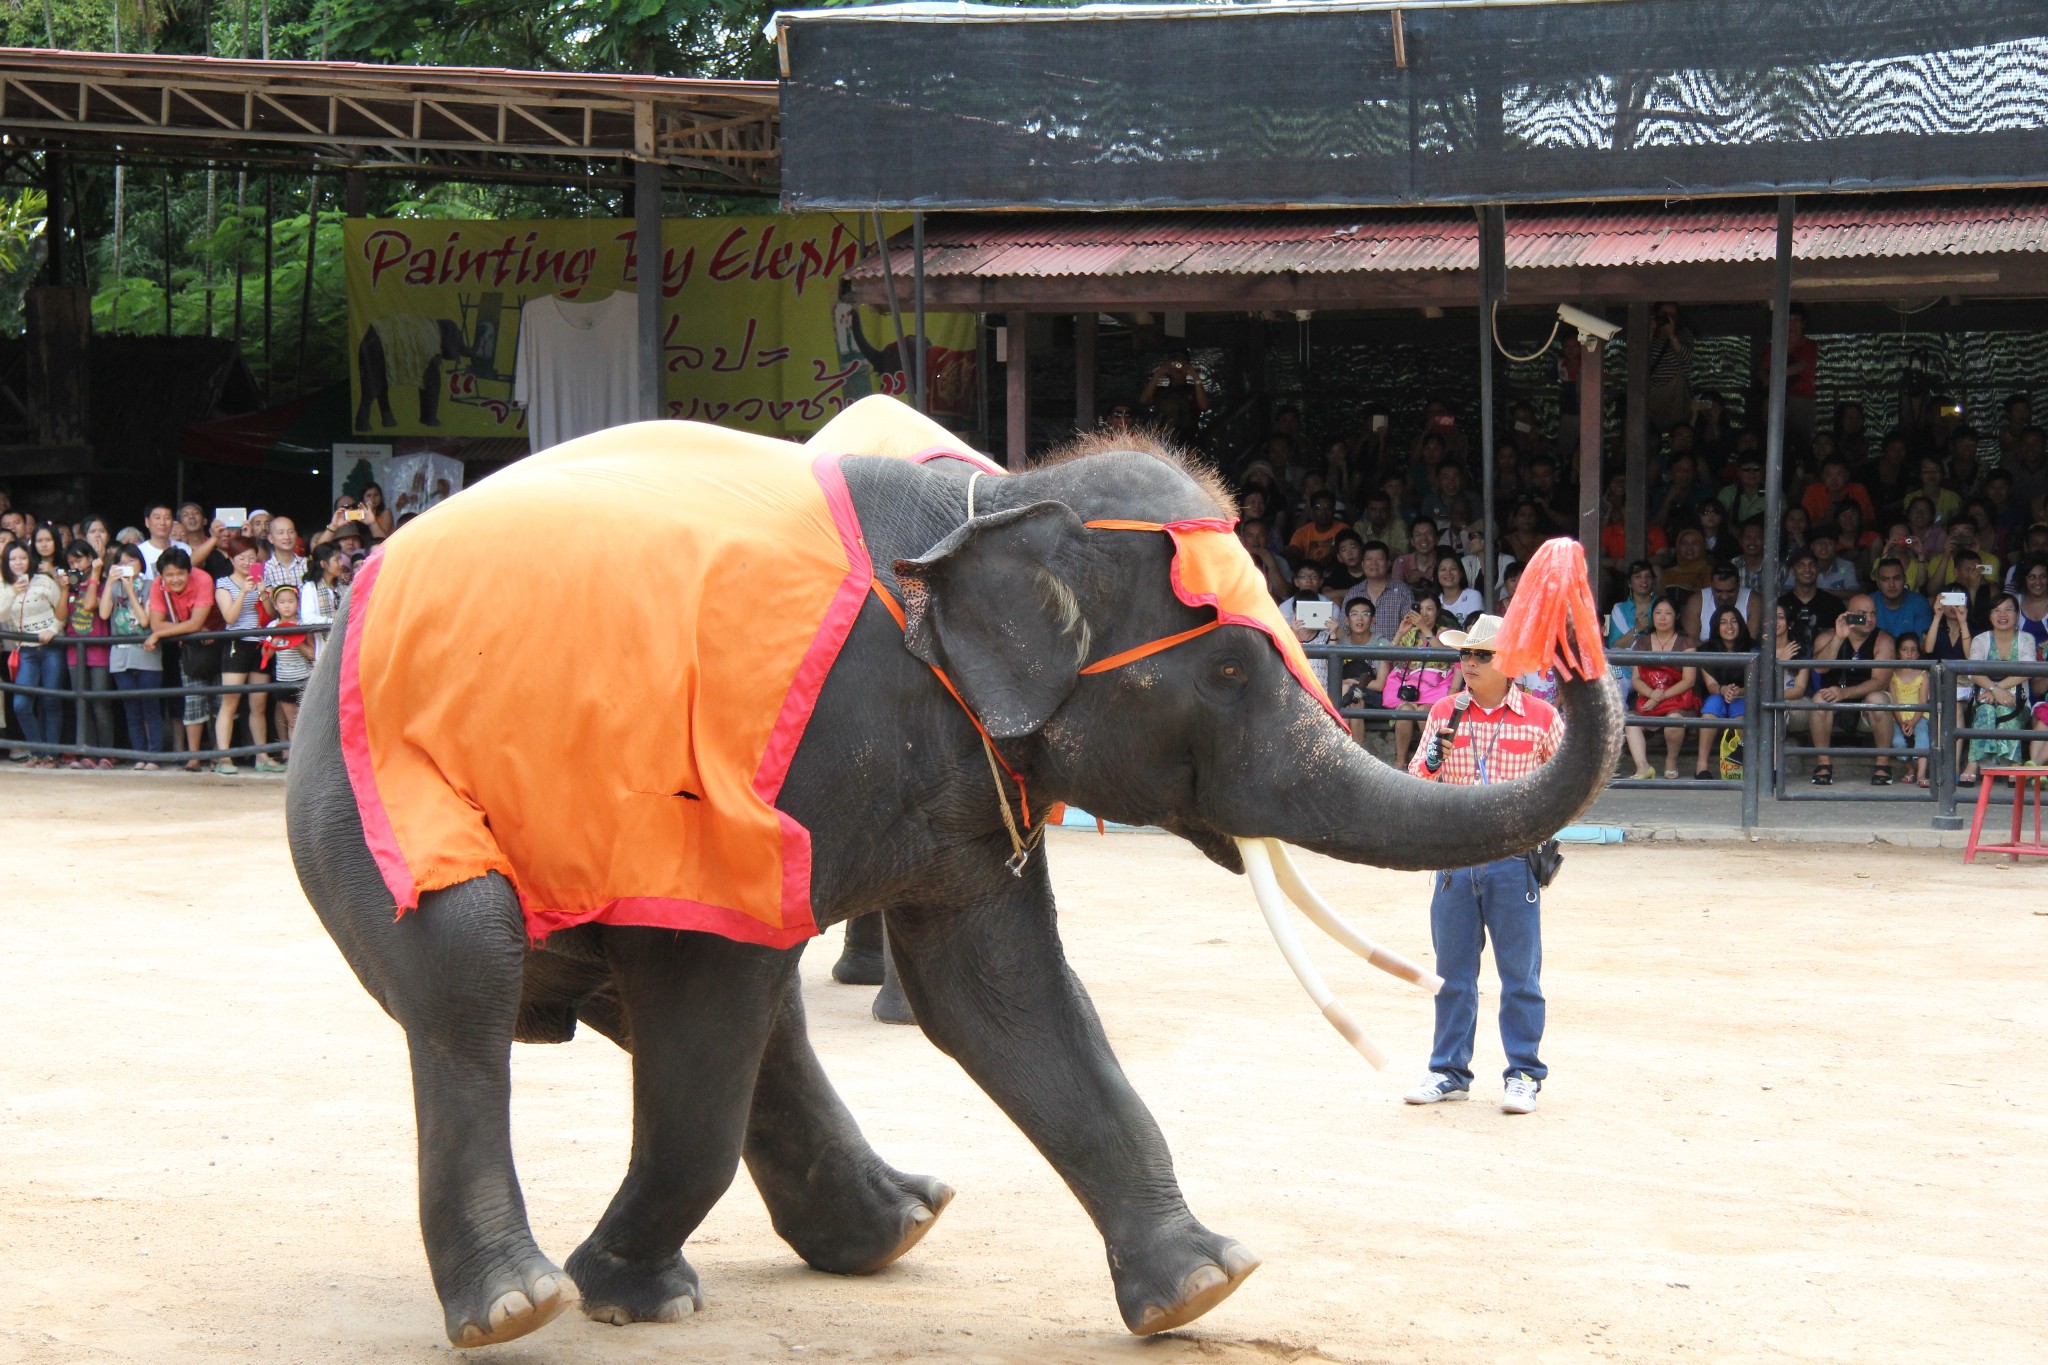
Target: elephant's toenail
{"x":921,"y":1215}
{"x":1203,"y":1280}
{"x":513,"y":1305}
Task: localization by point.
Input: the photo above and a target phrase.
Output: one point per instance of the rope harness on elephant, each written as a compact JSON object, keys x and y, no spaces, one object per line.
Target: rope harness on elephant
{"x":1207,"y":572}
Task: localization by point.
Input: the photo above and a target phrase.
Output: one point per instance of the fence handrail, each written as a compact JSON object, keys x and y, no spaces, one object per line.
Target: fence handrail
{"x":26,"y":637}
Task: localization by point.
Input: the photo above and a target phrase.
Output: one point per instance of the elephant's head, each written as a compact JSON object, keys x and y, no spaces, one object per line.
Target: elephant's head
{"x":1215,"y":736}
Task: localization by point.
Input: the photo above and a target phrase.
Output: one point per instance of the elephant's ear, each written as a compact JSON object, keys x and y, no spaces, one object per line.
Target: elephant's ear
{"x":994,"y":605}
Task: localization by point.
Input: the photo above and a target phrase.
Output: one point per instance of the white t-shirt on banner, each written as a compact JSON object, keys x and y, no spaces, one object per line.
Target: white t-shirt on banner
{"x":578,"y":367}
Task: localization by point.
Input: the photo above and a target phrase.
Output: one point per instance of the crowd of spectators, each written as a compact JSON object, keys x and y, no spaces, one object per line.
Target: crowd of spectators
{"x":121,"y":610}
{"x":1934,"y":533}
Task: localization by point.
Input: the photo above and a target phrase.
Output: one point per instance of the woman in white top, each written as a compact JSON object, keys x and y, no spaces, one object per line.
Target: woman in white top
{"x":2001,"y":698}
{"x":1461,"y":601}
{"x":320,"y":595}
{"x":237,"y":596}
{"x":29,"y":603}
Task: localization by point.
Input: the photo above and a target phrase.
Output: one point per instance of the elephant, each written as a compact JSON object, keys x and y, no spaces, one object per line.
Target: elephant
{"x":1008,"y":591}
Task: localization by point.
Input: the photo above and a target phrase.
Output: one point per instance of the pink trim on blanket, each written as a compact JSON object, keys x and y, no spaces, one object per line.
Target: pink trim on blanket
{"x":660,"y":912}
{"x":987,"y":465}
{"x":355,"y":746}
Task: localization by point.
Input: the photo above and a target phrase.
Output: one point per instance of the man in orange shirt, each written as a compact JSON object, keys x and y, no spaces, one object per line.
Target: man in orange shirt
{"x":1821,"y":499}
{"x":1316,"y":538}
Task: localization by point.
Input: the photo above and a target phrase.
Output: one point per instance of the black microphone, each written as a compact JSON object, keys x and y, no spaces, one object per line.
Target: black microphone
{"x":1439,"y":747}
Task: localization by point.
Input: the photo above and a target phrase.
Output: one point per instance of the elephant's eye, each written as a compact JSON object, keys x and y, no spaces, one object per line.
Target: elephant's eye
{"x":1231,"y":669}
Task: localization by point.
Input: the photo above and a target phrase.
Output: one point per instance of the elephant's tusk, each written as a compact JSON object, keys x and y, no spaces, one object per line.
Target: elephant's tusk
{"x":1259,"y":865}
{"x":1337,"y":927}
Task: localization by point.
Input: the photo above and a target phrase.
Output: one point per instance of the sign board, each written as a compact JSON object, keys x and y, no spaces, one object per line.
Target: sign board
{"x":753,"y":330}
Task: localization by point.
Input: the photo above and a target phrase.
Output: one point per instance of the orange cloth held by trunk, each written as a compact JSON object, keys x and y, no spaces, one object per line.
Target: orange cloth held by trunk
{"x":611,"y":735}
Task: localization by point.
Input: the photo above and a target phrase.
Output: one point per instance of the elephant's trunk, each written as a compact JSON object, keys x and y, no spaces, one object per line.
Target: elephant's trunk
{"x":1390,"y":819}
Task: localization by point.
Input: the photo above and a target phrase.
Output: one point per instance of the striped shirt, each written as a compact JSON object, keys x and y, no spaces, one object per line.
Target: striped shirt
{"x":1512,"y":740}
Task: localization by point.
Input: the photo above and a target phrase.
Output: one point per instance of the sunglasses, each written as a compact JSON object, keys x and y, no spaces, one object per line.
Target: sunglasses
{"x":1481,"y":655}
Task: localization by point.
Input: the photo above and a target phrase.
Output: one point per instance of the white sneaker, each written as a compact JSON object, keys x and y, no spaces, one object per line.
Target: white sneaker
{"x":1440,"y":1086}
{"x":1520,"y":1095}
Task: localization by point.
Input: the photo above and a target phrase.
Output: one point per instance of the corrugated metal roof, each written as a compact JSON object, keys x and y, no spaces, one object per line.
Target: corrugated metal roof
{"x":1325,"y":242}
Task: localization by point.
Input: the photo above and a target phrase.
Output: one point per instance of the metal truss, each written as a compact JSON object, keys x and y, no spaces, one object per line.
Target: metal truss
{"x":465,"y":122}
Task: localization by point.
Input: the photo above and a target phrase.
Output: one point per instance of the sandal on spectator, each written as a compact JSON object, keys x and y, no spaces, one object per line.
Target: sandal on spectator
{"x":194,"y":766}
{"x":1671,"y":774}
{"x":1824,"y":776}
{"x":1882,"y":775}
{"x":266,"y":764}
{"x":226,"y":768}
{"x":1702,"y":775}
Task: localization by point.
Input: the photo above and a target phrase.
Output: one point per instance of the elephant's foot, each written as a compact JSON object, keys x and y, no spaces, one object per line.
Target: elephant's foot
{"x":860,"y":961}
{"x":860,"y":1225}
{"x":1174,"y":1283}
{"x":891,"y":1005}
{"x":509,"y":1305}
{"x":618,"y":1291}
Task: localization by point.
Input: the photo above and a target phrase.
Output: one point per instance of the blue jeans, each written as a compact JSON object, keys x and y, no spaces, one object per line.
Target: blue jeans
{"x":1501,"y":899}
{"x":1720,"y":708}
{"x":145,"y":720}
{"x":42,"y":718}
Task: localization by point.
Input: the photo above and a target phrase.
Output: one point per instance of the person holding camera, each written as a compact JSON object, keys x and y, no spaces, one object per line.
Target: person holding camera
{"x":1491,"y":731}
{"x":1853,"y":635}
{"x":1669,"y":401}
{"x":1176,"y":393}
{"x":238,"y":596}
{"x":82,"y":621}
{"x":30,"y":602}
{"x":1416,"y":685}
{"x":124,"y":606}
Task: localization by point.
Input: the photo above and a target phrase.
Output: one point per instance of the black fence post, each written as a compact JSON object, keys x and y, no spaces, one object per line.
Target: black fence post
{"x":1756,"y":687}
{"x":77,"y":690}
{"x":1944,"y":757}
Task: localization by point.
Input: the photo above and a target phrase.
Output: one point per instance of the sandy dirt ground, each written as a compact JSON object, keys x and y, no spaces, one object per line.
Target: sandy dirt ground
{"x":1795,"y":1114}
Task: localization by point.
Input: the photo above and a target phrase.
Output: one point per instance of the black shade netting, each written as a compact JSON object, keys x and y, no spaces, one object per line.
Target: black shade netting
{"x":1521,"y":103}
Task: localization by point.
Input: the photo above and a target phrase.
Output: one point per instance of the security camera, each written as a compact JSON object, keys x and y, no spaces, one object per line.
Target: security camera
{"x":1588,"y":327}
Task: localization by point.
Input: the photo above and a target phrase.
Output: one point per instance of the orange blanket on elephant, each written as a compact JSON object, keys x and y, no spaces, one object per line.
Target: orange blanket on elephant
{"x":606,"y":715}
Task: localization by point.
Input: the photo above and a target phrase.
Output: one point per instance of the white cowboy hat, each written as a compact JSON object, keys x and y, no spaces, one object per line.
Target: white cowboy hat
{"x":1481,"y":636}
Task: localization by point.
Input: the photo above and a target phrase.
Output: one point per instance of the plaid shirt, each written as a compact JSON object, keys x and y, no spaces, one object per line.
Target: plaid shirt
{"x":277,"y":572}
{"x":1513,"y":739}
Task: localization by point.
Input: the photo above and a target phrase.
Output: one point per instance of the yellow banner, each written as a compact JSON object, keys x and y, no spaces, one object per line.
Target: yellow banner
{"x":752,"y":326}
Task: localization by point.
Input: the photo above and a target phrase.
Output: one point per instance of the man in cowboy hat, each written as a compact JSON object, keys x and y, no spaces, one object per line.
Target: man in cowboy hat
{"x":1492,"y":731}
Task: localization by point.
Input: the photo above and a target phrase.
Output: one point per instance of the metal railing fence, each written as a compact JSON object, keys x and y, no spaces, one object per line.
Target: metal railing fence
{"x":80,"y":696}
{"x":1947,"y":738}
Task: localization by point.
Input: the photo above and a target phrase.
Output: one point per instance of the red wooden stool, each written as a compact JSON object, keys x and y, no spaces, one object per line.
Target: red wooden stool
{"x":2024,"y":781}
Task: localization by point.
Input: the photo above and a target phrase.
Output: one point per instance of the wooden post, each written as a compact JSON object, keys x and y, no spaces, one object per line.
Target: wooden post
{"x":167,"y":253}
{"x":59,"y":333}
{"x":1589,"y":453}
{"x":355,"y":192}
{"x":306,"y":284}
{"x":647,"y":243}
{"x":269,"y":276}
{"x":1636,"y":447}
{"x":53,"y":222}
{"x":1017,"y":443}
{"x":1084,"y":371}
